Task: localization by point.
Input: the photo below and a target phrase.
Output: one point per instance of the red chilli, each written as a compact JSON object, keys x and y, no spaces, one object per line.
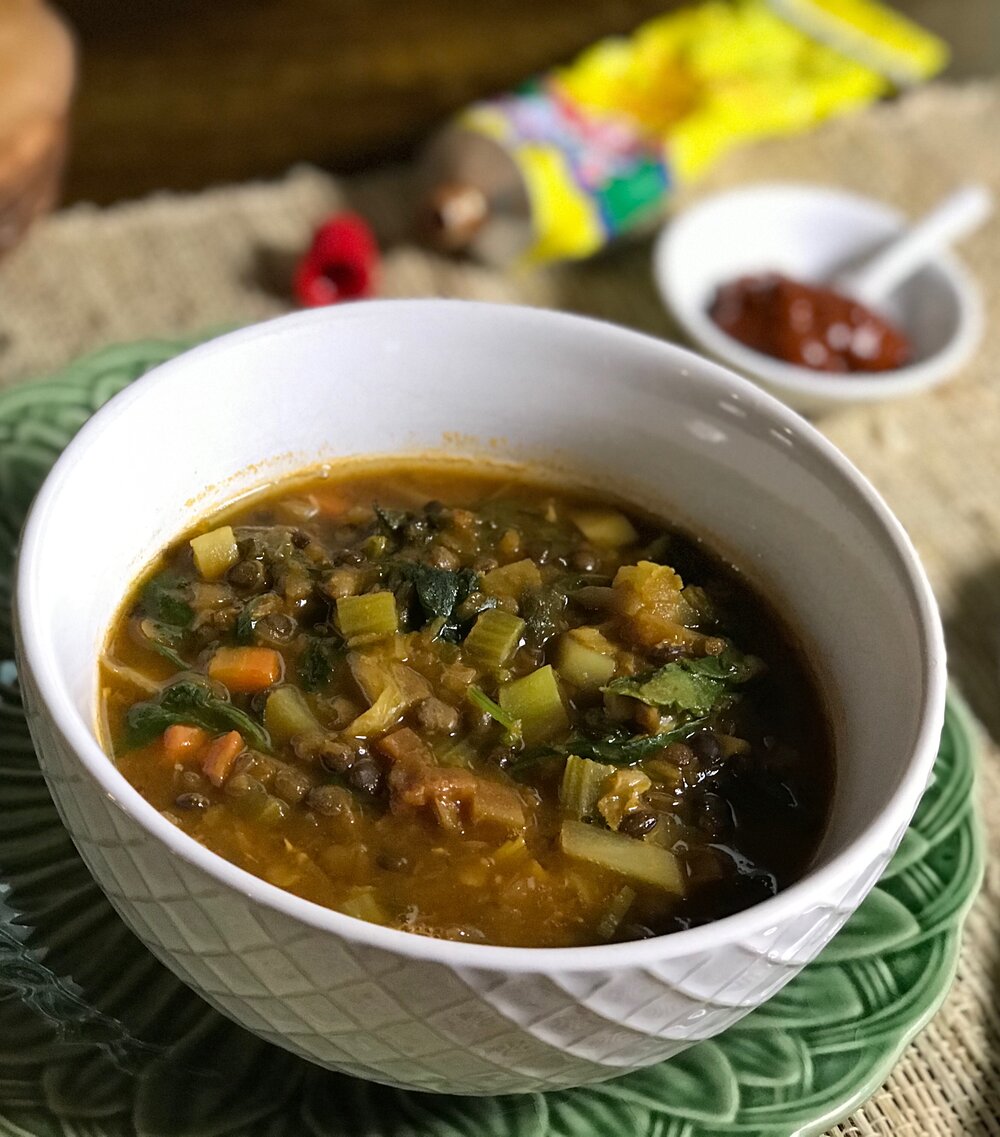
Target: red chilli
{"x":341,"y":264}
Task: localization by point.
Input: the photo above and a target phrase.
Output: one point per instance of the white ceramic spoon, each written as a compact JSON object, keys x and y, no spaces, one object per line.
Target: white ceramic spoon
{"x":955,"y":217}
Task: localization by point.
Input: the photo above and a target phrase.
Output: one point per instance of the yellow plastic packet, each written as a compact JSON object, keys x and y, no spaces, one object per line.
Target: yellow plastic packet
{"x":594,"y":149}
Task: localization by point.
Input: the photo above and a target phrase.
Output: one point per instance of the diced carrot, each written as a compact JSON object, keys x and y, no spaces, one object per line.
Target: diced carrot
{"x":246,"y":669}
{"x":331,"y":504}
{"x":222,"y":752}
{"x":181,"y":741}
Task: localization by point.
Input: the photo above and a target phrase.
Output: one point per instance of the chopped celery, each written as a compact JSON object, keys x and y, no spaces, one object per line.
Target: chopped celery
{"x":215,"y":552}
{"x":536,"y":702}
{"x":581,"y":661}
{"x":606,"y":528}
{"x":637,"y":860}
{"x":287,"y":714}
{"x":507,"y":720}
{"x":494,"y":638}
{"x":366,"y":618}
{"x":582,"y":784}
{"x":615,"y":912}
{"x":512,"y":580}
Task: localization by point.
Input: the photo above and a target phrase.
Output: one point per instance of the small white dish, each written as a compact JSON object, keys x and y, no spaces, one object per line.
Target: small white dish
{"x":811,"y":233}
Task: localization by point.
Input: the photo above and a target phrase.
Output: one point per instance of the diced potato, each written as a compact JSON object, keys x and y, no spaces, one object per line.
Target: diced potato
{"x":287,"y":714}
{"x":535,"y":701}
{"x":367,"y":618}
{"x":649,"y":600}
{"x":493,"y":804}
{"x":585,"y":666}
{"x":362,"y":905}
{"x":605,"y":528}
{"x":636,"y":860}
{"x":215,"y":553}
{"x":512,"y":580}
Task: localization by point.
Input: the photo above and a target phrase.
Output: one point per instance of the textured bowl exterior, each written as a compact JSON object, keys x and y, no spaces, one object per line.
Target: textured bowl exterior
{"x":461,"y":1018}
{"x":405,"y":1021}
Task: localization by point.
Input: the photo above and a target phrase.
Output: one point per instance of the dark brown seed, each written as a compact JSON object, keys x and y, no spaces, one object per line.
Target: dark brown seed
{"x":291,"y":785}
{"x":350,"y":557}
{"x":365,"y":776}
{"x":443,"y":558}
{"x":300,"y":538}
{"x":331,"y":801}
{"x":393,"y":862}
{"x":706,"y":747}
{"x":585,"y":560}
{"x":500,"y":756}
{"x":189,"y":781}
{"x":679,"y":754}
{"x":192,"y":801}
{"x":246,"y":574}
{"x":244,"y":786}
{"x":277,"y":628}
{"x":337,"y":757}
{"x":638,"y":823}
{"x":437,"y":716}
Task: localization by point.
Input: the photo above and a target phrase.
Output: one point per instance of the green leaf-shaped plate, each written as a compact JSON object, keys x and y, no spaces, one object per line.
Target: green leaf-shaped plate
{"x":96,"y":1037}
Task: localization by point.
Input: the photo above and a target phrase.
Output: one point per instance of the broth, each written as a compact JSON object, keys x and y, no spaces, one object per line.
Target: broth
{"x":470,"y":705}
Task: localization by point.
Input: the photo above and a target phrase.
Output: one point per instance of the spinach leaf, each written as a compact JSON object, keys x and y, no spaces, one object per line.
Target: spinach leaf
{"x":731,"y":666}
{"x":615,"y":748}
{"x":163,"y":599}
{"x":542,"y":612}
{"x":162,"y":646}
{"x":694,"y":685}
{"x":192,"y":703}
{"x":438,"y":592}
{"x":316,"y":663}
{"x":243,"y":628}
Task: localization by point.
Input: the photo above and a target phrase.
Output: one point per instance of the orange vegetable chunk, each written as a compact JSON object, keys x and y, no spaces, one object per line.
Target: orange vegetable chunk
{"x":181,"y":741}
{"x":246,"y":670}
{"x":222,"y":752}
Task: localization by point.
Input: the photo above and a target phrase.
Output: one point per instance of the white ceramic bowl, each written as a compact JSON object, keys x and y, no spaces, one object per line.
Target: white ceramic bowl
{"x":657,"y":423}
{"x":809,"y":233}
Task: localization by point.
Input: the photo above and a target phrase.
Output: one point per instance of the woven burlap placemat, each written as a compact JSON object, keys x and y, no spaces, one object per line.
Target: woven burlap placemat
{"x":173,"y":265}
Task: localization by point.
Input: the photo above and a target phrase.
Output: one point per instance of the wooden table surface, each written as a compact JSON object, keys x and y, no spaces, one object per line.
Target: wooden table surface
{"x":193,"y":92}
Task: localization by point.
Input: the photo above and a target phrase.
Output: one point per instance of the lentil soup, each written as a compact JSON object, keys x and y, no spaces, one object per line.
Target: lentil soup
{"x":470,"y":705}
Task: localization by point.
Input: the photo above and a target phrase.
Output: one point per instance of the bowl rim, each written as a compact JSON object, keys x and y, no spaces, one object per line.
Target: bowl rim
{"x":846,"y":388}
{"x":41,"y":660}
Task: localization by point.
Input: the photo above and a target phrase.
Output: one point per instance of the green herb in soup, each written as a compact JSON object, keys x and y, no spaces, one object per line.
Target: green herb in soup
{"x":472,"y":707}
